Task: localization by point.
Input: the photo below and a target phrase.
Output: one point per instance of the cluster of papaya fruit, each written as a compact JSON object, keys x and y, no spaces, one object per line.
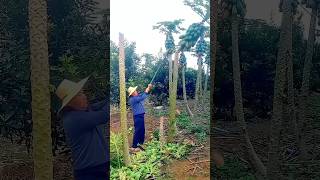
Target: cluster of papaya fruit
{"x":169,"y":44}
{"x":201,"y":46}
{"x":193,"y":33}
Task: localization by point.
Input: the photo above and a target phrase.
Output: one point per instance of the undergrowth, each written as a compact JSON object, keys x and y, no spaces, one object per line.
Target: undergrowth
{"x":200,"y":130}
{"x":144,"y":164}
{"x":233,"y":168}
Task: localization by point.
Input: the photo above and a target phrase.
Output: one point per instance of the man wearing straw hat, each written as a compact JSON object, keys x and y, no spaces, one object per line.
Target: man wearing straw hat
{"x":136,"y":101}
{"x":84,"y":128}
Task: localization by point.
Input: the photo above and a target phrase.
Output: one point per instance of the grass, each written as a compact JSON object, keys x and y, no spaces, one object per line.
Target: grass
{"x":200,"y":130}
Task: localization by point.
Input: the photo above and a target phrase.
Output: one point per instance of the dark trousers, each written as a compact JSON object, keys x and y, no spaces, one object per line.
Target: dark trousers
{"x":139,"y":130}
{"x":100,"y":172}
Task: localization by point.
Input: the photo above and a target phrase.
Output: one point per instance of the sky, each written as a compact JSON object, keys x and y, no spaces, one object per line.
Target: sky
{"x":135,"y":20}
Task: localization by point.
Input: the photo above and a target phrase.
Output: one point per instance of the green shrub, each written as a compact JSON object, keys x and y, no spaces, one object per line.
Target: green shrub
{"x":233,"y":168}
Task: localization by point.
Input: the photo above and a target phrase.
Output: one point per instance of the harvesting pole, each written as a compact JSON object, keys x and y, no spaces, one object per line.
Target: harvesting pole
{"x":123,"y":109}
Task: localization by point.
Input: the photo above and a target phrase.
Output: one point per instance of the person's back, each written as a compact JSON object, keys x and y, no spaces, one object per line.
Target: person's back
{"x":86,"y":137}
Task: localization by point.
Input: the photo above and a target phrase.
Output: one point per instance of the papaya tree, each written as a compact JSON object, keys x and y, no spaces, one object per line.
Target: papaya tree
{"x":280,"y":83}
{"x":236,"y":9}
{"x":41,"y":115}
{"x":123,"y":106}
{"x":170,"y":27}
{"x":183,"y":64}
{"x":200,"y":51}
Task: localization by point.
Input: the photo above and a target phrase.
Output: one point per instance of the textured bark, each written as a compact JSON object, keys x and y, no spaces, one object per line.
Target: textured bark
{"x":123,"y":109}
{"x":185,"y":91}
{"x":161,"y":130}
{"x":305,"y":120}
{"x":170,"y":71}
{"x":284,"y":53}
{"x":238,"y":94}
{"x":41,"y":116}
{"x":173,"y":98}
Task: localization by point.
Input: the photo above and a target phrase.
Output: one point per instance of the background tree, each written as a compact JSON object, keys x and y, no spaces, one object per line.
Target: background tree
{"x":281,"y":80}
{"x":305,"y":88}
{"x":200,"y":50}
{"x":183,"y":63}
{"x":237,"y":10}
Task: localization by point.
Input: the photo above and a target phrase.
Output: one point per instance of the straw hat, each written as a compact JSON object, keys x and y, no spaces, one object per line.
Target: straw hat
{"x":131,"y":90}
{"x":68,"y":89}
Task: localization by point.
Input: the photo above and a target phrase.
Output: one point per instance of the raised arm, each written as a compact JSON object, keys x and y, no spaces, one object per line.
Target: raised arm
{"x":81,"y":121}
{"x":142,"y":96}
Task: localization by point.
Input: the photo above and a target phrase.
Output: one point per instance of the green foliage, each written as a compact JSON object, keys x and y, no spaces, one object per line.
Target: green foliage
{"x":201,"y":7}
{"x":240,"y":6}
{"x":233,"y":168}
{"x":77,"y":48}
{"x":144,"y":164}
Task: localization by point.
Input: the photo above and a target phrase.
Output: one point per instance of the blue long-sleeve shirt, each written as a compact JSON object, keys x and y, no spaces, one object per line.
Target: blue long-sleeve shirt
{"x":137,"y":103}
{"x":86,"y":135}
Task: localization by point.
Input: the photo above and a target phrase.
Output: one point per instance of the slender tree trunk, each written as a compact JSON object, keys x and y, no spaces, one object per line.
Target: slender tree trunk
{"x":173,"y":99}
{"x":198,"y":82}
{"x":185,"y":91}
{"x":238,"y":94}
{"x":41,"y":115}
{"x":206,"y":79}
{"x":123,"y":107}
{"x":305,"y":120}
{"x":285,"y":47}
{"x":170,"y":71}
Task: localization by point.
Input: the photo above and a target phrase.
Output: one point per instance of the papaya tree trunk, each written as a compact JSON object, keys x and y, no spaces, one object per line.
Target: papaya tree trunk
{"x":206,"y":79}
{"x":305,"y":120}
{"x":170,"y":71}
{"x":185,"y":91}
{"x":198,"y":82}
{"x":173,"y":99}
{"x":238,"y":95}
{"x":123,"y":107}
{"x":284,"y":53}
{"x":41,"y":115}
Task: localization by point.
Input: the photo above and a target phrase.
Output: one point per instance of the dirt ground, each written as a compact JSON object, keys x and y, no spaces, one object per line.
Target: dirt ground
{"x":16,"y":163}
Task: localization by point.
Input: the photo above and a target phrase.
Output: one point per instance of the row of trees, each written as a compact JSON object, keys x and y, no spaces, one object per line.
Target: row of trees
{"x":264,"y":39}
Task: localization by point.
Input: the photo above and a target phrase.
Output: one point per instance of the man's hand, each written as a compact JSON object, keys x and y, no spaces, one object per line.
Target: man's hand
{"x":148,"y":89}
